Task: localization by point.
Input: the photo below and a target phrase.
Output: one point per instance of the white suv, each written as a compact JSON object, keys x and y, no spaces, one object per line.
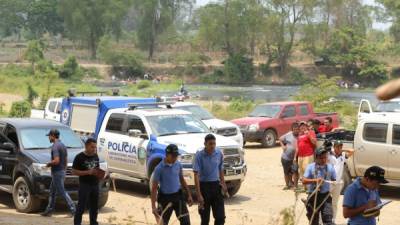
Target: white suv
{"x":221,"y":127}
{"x":133,"y":141}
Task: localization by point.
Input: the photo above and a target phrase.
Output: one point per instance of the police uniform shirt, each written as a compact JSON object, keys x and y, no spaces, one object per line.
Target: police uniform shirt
{"x":355,"y":196}
{"x":326,"y":172}
{"x":168,"y":176}
{"x":209,"y":166}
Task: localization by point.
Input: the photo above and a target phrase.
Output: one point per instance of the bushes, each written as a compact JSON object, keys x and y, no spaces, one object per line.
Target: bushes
{"x":296,"y":76}
{"x":20,"y":109}
{"x":373,"y":73}
{"x":143,"y":84}
{"x":70,"y":69}
{"x":238,"y":69}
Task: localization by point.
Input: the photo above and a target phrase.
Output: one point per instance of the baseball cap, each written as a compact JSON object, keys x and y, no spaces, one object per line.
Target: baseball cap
{"x":337,"y":142}
{"x":53,"y":132}
{"x":172,"y":149}
{"x":376,"y":173}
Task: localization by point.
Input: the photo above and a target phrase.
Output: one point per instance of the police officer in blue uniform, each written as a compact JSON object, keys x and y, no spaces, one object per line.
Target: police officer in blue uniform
{"x":362,"y":195}
{"x":210,"y":183}
{"x":317,"y":175}
{"x":168,"y":182}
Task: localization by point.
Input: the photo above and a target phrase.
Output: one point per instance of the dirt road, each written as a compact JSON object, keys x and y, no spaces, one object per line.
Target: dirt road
{"x":259,"y":202}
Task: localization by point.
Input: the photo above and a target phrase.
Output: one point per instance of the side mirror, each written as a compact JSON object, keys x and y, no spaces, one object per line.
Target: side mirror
{"x":137,"y":133}
{"x":283,"y":116}
{"x":8,"y":146}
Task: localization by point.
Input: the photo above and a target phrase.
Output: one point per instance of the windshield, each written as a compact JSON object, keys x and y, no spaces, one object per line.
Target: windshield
{"x":266,"y":111}
{"x":176,"y":124}
{"x":35,"y":138}
{"x":197,"y":111}
{"x":388,"y":107}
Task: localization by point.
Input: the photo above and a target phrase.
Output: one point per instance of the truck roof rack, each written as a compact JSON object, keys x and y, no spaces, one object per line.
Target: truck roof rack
{"x":133,"y":106}
{"x":101,"y":93}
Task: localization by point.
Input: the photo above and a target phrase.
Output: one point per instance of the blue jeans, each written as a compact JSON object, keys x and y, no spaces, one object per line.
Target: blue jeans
{"x":57,"y":187}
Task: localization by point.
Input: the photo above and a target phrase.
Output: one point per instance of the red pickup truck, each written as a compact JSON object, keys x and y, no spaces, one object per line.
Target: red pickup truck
{"x":269,"y":121}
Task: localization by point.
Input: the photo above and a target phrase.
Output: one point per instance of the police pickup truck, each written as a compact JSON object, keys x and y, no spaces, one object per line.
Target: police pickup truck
{"x":24,"y":152}
{"x":133,"y":142}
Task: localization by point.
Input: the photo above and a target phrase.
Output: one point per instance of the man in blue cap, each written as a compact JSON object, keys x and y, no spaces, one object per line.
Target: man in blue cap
{"x":362,"y":195}
{"x":318,"y":176}
{"x":168,"y":181}
{"x":58,"y":164}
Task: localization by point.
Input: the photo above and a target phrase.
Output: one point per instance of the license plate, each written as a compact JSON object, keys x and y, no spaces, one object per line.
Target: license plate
{"x":229,"y":172}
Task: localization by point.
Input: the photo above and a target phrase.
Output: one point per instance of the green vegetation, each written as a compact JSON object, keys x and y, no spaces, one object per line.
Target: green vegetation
{"x":20,"y":109}
{"x":320,"y":93}
{"x":234,"y":109}
{"x":146,"y":89}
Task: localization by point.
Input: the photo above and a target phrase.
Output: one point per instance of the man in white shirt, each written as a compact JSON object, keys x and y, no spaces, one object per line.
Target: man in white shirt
{"x":337,"y":158}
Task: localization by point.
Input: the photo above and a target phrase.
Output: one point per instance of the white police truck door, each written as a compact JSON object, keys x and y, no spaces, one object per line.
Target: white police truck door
{"x":136,"y":139}
{"x":109,"y":138}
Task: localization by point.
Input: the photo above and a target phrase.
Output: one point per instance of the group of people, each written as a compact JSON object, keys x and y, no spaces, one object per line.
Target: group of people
{"x":321,"y":169}
{"x":168,"y":182}
{"x":86,"y":166}
{"x":169,"y":189}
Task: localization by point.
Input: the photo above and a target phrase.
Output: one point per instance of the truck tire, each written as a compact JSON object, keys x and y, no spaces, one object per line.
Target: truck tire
{"x":234,"y":190}
{"x":24,"y":201}
{"x":269,"y":139}
{"x":103,"y":199}
{"x":151,"y":181}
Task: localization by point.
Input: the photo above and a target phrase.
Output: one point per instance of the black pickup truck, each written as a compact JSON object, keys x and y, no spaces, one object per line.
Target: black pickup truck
{"x":24,"y":152}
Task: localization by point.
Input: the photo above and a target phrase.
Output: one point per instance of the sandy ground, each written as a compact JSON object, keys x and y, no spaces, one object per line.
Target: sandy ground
{"x":8,"y":99}
{"x":259,"y":201}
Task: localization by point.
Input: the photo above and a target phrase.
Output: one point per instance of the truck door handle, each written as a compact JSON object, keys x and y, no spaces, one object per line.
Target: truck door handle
{"x":393,"y":152}
{"x":361,"y":149}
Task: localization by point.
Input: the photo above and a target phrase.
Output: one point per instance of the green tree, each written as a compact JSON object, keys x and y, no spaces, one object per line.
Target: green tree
{"x":154,"y":18}
{"x":34,"y":53}
{"x":89,"y":20}
{"x":32,"y":94}
{"x":42,"y":17}
{"x":12,"y":16}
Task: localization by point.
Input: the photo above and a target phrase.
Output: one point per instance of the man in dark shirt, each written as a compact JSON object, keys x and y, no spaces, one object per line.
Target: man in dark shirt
{"x":58,"y":164}
{"x":85,"y":166}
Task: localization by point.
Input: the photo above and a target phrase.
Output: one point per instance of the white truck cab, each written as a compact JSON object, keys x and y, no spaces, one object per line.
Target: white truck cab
{"x":221,"y":127}
{"x":133,"y":141}
{"x":52,"y":110}
{"x":377,"y":143}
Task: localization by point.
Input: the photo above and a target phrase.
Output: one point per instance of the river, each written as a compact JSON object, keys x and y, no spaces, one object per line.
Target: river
{"x":267,"y":93}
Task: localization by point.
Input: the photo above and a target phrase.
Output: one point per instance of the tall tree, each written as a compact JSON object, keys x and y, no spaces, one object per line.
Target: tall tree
{"x":392,"y":8}
{"x":12,"y":16}
{"x":285,"y":17}
{"x":155,"y":17}
{"x":42,"y":17}
{"x":89,"y":20}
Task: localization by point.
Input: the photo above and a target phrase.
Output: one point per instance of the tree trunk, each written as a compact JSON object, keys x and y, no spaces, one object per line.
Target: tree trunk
{"x":92,"y":45}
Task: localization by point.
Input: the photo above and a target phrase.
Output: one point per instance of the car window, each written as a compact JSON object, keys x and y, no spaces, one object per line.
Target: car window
{"x":115,"y":123}
{"x":396,"y":135}
{"x":58,"y":109}
{"x":375,"y":132}
{"x":3,"y":139}
{"x":289,"y":111}
{"x":135,"y":123}
{"x":304,"y":110}
{"x":52,"y":106}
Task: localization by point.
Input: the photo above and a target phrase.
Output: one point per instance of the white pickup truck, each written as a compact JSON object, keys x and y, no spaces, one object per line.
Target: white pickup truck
{"x":221,"y":127}
{"x":376,"y":142}
{"x":133,"y":141}
{"x":52,"y":110}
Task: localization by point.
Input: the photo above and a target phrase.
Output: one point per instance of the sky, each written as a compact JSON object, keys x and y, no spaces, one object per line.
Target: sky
{"x":381,"y":26}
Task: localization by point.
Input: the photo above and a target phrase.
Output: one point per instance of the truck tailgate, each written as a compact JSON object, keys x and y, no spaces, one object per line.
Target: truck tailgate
{"x":84,"y":118}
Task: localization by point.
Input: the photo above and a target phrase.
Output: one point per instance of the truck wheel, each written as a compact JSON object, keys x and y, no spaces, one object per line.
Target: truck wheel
{"x":24,"y":201}
{"x":234,"y":190}
{"x":269,"y":139}
{"x":103,"y":200}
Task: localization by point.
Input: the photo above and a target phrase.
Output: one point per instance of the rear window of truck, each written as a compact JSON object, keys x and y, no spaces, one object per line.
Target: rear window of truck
{"x":375,"y":132}
{"x":304,"y":110}
{"x":115,"y":123}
